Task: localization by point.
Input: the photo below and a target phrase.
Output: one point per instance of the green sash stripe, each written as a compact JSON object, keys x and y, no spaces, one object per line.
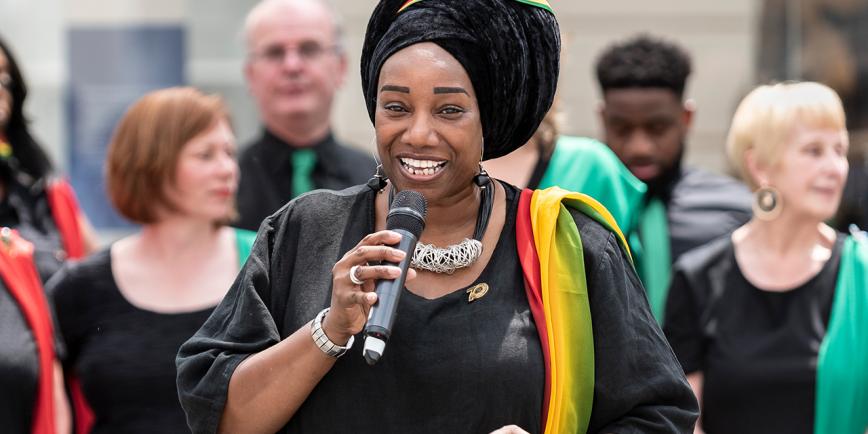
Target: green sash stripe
{"x":841,"y":401}
{"x":592,"y":213}
{"x":538,"y":3}
{"x":655,"y":259}
{"x":243,"y":243}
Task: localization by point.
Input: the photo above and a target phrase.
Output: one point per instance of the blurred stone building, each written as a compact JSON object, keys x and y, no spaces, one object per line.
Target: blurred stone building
{"x":86,"y":60}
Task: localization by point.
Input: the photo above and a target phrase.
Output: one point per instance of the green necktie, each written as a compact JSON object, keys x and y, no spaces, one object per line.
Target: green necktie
{"x":303,"y":161}
{"x":655,"y":260}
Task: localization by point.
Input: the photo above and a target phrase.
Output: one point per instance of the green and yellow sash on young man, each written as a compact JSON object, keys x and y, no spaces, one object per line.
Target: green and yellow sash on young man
{"x":841,"y":400}
{"x":552,"y":259}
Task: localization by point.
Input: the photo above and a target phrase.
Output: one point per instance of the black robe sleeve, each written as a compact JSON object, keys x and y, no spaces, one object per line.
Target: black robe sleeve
{"x":240,"y":326}
{"x":639,"y":386}
{"x":284,"y":283}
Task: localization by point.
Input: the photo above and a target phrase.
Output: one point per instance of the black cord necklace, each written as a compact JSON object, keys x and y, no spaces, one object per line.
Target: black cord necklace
{"x":454,"y":257}
{"x":485,"y":205}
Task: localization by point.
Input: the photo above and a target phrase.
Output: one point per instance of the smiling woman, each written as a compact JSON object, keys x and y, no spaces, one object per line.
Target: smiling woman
{"x":481,"y":341}
{"x":429,"y":132}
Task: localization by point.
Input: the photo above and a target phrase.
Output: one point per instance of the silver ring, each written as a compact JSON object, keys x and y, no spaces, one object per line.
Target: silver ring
{"x":353,"y":276}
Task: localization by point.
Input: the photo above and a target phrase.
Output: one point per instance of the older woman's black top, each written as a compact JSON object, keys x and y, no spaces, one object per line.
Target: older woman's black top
{"x":757,"y":349}
{"x":450,"y":365}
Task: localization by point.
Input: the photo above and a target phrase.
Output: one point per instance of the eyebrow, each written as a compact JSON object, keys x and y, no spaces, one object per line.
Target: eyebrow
{"x":440,"y":90}
{"x":393,"y":88}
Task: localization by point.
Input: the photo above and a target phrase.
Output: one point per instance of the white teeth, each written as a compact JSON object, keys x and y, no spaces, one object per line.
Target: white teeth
{"x":422,"y":167}
{"x":427,"y":167}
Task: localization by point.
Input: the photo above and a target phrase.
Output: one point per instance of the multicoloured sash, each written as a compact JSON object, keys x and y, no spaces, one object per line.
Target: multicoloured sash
{"x":552,"y":259}
{"x":841,"y":400}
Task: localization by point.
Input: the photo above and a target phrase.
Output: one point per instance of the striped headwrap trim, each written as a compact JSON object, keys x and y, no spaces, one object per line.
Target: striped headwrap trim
{"x":407,"y":5}
{"x":538,"y":3}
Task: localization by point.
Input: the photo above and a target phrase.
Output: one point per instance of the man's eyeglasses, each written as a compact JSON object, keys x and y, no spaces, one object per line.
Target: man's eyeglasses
{"x":5,"y":80}
{"x":307,"y":52}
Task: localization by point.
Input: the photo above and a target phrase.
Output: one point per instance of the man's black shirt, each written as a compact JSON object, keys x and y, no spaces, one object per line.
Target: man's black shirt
{"x":266,"y":174}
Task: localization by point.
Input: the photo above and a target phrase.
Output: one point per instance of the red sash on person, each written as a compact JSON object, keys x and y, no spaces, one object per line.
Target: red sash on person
{"x":67,"y":216}
{"x":20,"y":276}
{"x":552,"y":259}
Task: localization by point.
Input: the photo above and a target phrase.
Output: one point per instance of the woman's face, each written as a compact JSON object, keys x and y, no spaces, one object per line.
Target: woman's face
{"x":5,"y":91}
{"x":206,"y":176}
{"x":428,"y":125}
{"x":811,"y":172}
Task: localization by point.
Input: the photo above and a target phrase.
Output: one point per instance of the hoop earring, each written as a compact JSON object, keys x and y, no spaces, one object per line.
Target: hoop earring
{"x":482,"y":179}
{"x":379,"y":181}
{"x":767,"y":203}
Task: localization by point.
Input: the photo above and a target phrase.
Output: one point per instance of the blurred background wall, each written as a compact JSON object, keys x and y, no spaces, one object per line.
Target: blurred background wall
{"x":86,"y":60}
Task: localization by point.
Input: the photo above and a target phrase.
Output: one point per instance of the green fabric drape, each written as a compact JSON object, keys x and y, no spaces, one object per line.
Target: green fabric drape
{"x":587,"y":166}
{"x":841,"y":400}
{"x":654,"y":260}
{"x":243,"y":243}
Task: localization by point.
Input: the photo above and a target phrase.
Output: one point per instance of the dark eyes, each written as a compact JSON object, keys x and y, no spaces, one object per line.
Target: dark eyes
{"x":657,"y":128}
{"x":449,"y":111}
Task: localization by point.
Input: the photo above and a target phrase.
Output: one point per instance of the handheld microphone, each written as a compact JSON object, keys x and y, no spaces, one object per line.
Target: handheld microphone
{"x":406,"y":217}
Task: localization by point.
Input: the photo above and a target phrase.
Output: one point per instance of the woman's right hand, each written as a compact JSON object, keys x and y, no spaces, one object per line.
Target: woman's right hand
{"x":351,"y":302}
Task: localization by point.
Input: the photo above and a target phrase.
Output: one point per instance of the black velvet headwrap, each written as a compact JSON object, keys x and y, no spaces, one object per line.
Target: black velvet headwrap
{"x":510,"y":50}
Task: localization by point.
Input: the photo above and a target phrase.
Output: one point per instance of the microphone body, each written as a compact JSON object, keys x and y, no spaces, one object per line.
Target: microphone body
{"x":406,"y":217}
{"x":382,"y":316}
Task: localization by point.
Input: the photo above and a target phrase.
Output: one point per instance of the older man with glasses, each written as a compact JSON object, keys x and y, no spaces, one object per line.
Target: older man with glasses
{"x":294,"y":66}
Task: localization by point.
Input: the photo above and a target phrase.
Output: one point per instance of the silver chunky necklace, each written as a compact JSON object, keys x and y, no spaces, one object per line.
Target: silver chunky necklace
{"x":429,"y":257}
{"x":447,"y":260}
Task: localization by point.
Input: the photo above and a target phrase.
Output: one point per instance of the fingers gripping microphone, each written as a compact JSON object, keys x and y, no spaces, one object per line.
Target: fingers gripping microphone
{"x":406,"y":217}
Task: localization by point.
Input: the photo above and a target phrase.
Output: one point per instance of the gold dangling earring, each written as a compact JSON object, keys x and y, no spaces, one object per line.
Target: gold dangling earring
{"x":767,"y":204}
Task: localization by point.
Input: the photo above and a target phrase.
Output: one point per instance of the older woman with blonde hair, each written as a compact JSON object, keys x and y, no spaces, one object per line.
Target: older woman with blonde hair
{"x":768,"y":323}
{"x":124,"y":311}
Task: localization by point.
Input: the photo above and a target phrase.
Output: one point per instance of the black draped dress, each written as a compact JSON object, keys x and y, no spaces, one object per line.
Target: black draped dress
{"x":450,"y":365}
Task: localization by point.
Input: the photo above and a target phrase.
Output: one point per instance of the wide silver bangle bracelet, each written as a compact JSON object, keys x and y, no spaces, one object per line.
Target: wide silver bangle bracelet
{"x":322,"y":341}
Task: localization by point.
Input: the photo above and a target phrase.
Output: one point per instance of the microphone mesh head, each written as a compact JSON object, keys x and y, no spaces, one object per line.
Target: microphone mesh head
{"x":408,"y":212}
